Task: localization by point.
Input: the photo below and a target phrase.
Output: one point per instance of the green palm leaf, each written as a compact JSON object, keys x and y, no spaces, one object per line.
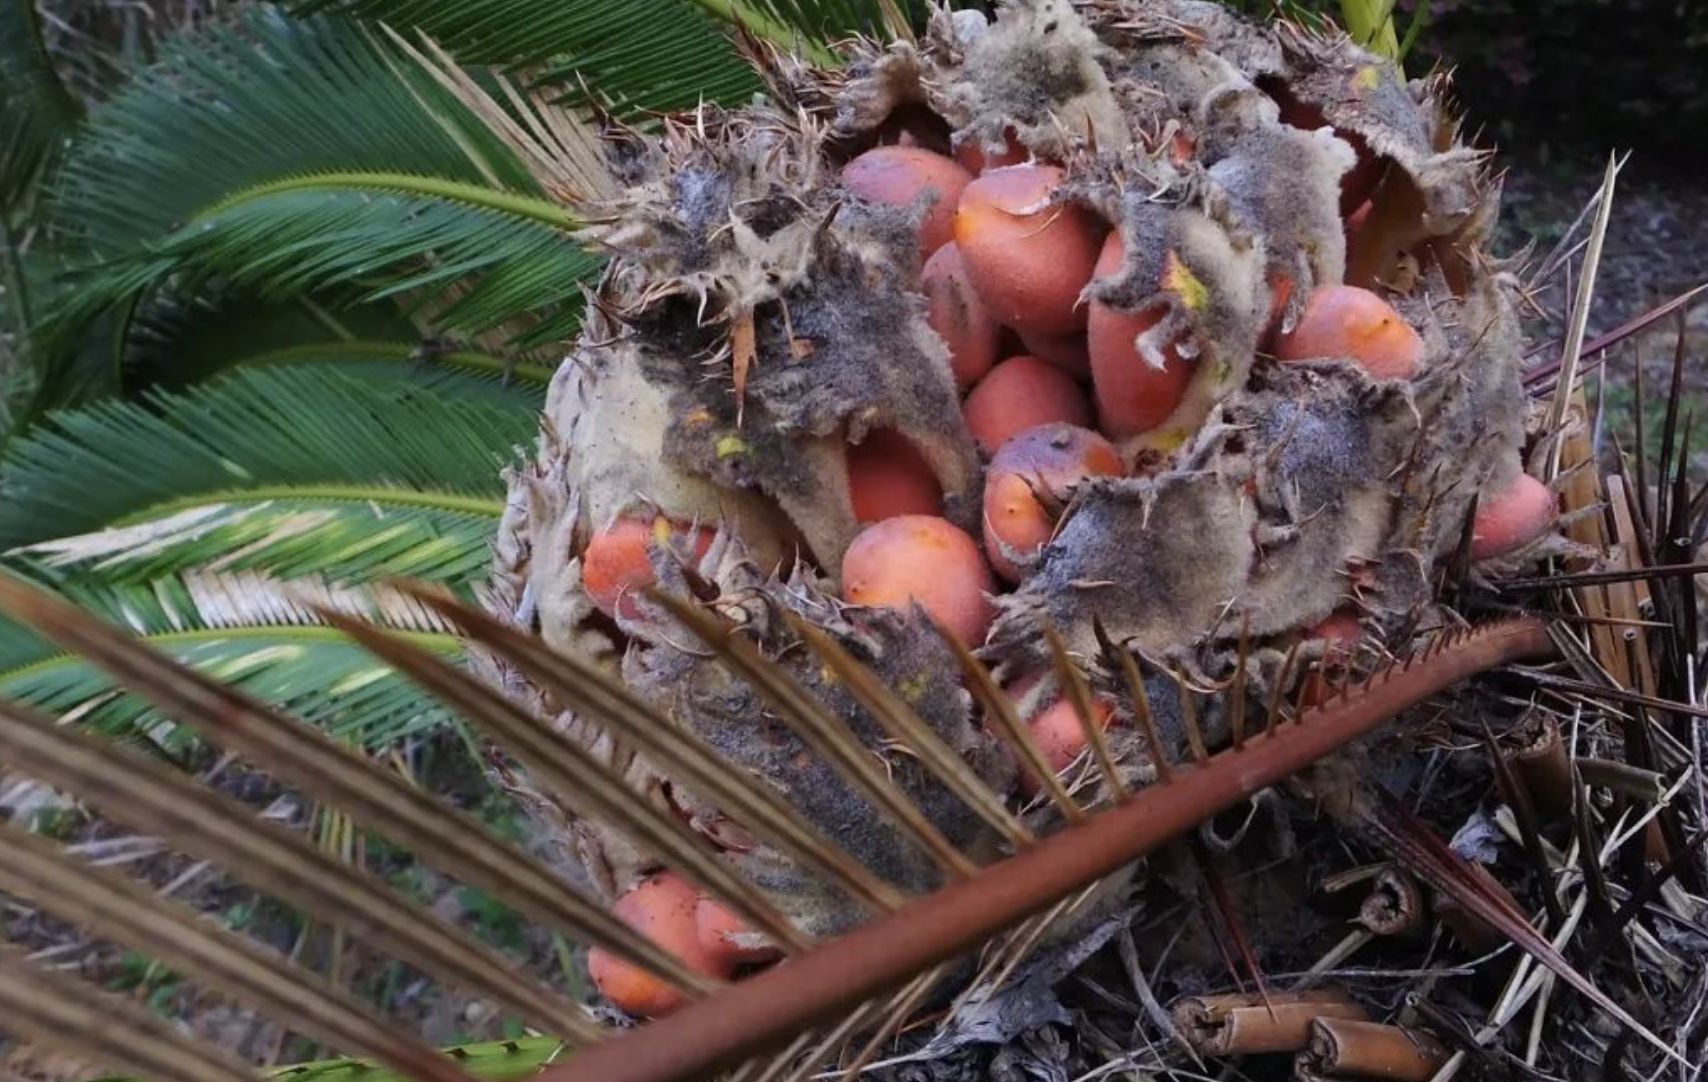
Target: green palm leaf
{"x":196,"y":517}
{"x":27,"y":281}
{"x":175,"y":341}
{"x":289,"y":439}
{"x":317,"y":531}
{"x":638,"y":54}
{"x":463,"y":375}
{"x":383,"y":235}
{"x":39,"y":110}
{"x":247,"y":630}
{"x":230,"y":108}
{"x":286,"y":157}
{"x":36,"y":119}
{"x":466,"y":374}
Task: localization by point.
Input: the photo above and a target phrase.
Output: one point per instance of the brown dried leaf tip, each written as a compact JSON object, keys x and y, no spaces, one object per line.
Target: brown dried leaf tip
{"x":1241,"y":1025}
{"x":1354,"y":1048}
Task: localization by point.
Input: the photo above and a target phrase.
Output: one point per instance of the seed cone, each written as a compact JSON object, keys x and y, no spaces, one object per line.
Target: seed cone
{"x":758,"y":318}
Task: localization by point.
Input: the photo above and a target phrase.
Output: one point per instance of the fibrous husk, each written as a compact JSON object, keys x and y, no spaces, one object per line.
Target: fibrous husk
{"x":1304,"y":472}
{"x":757,"y":320}
{"x":699,"y":693}
{"x":773,"y":323}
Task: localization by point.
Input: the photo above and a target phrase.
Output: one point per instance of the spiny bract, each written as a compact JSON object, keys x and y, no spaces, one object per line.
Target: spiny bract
{"x":763,"y":315}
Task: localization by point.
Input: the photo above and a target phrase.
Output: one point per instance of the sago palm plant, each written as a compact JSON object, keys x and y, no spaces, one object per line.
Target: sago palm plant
{"x":802,"y":614}
{"x":158,"y":374}
{"x":414,"y":252}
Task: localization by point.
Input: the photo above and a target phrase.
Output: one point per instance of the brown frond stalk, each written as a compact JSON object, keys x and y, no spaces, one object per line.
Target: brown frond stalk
{"x":768,"y":1010}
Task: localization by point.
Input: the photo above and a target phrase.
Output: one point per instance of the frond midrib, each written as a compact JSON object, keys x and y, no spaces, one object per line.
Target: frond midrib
{"x":400,"y":352}
{"x":515,"y":204}
{"x":438,"y":642}
{"x":385,"y":495}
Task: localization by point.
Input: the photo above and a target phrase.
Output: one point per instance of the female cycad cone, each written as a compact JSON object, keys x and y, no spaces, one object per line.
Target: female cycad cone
{"x":1345,"y":322}
{"x":1134,"y":394}
{"x":959,"y":316}
{"x":904,"y":175}
{"x":796,"y":350}
{"x":926,"y":561}
{"x":1060,"y":735}
{"x":1512,"y":517}
{"x":616,"y":565}
{"x":727,"y":939}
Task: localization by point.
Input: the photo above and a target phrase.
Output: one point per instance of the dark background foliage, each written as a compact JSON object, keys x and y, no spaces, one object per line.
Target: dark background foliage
{"x":1548,"y":77}
{"x":1569,"y":77}
{"x":1564,"y":78}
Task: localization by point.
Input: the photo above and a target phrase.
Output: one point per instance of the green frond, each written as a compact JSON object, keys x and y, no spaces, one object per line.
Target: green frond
{"x":325,"y":532}
{"x":248,"y":630}
{"x":63,"y":362}
{"x":268,"y":98}
{"x":492,"y":255}
{"x":638,"y":54}
{"x":466,"y":372}
{"x":275,"y":157}
{"x":27,"y":280}
{"x":392,"y":182}
{"x":174,"y":343}
{"x":492,"y":1061}
{"x":176,"y":340}
{"x":39,"y":111}
{"x":291,"y":436}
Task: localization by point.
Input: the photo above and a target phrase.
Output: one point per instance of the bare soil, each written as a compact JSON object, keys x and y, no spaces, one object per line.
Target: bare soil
{"x":1657,"y":241}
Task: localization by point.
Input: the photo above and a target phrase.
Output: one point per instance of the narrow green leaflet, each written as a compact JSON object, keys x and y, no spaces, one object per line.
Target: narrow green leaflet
{"x":229,"y":108}
{"x":479,"y":264}
{"x":467,"y":374}
{"x":248,"y":630}
{"x":282,"y":156}
{"x":200,"y":518}
{"x":174,"y":343}
{"x":39,"y":112}
{"x":638,"y":54}
{"x":259,"y":436}
{"x":176,"y":340}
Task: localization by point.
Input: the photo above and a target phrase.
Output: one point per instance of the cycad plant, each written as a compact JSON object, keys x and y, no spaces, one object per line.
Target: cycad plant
{"x":301,"y":190}
{"x":306,"y":284}
{"x":290,"y":215}
{"x":163,"y":461}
